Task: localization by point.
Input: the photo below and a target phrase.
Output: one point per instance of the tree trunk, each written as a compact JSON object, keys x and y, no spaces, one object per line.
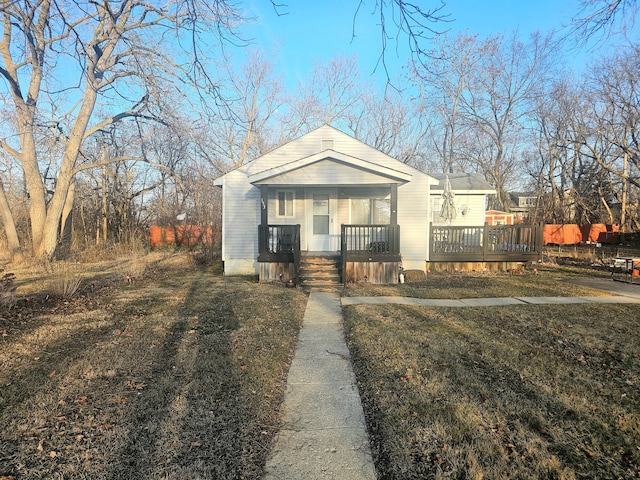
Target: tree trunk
{"x":104,"y":212}
{"x":10,"y":228}
{"x":625,"y":188}
{"x":66,"y":222}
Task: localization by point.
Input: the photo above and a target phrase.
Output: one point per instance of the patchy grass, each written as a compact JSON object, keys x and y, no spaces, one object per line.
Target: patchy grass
{"x":535,"y":391}
{"x":177,"y":375}
{"x":548,"y":282}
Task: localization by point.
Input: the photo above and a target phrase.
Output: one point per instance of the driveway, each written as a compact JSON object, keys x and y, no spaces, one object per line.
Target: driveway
{"x":609,"y":285}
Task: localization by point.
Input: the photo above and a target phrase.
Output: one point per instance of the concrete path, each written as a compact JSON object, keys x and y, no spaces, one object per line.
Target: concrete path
{"x":323,"y":434}
{"x":484,"y":302}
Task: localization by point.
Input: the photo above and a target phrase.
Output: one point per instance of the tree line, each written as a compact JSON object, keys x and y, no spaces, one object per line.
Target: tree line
{"x":118,"y":115}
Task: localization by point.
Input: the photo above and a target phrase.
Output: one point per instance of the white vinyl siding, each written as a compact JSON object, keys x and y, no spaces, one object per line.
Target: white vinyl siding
{"x":242,"y":207}
{"x":470,"y":210}
{"x":413,"y":215}
{"x":240,"y":222}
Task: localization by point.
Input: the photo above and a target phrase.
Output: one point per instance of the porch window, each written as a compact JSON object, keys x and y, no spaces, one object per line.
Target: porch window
{"x":366,"y":211}
{"x":285,"y":200}
{"x":381,"y":211}
{"x":360,"y":211}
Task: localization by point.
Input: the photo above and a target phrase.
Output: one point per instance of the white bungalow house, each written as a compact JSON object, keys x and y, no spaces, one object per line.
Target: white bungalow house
{"x":328,"y":207}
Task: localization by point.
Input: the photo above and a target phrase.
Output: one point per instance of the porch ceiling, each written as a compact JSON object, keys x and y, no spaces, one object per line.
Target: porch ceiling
{"x":329,"y":168}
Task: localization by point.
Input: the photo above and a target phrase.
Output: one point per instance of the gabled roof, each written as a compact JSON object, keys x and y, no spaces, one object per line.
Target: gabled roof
{"x":463,"y":183}
{"x":367,"y":172}
{"x":325,"y":156}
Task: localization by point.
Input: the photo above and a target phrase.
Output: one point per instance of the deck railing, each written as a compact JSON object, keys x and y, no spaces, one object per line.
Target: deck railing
{"x":486,"y":243}
{"x":370,"y":242}
{"x":278,"y":243}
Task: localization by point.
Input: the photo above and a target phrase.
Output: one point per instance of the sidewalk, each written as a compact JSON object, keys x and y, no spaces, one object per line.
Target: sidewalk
{"x":323,"y":434}
{"x":484,"y":302}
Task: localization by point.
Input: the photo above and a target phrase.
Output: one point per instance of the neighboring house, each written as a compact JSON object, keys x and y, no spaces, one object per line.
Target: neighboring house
{"x":328,"y":208}
{"x":470,"y":197}
{"x":498,"y":217}
{"x":522,"y":204}
{"x":325,"y":194}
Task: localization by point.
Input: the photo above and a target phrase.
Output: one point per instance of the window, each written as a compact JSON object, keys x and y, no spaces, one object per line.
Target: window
{"x":360,"y":211}
{"x":367,"y":211}
{"x":327,"y":145}
{"x":285,"y":199}
{"x":381,"y":211}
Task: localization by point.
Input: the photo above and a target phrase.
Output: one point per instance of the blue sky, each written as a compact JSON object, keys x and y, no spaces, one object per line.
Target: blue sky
{"x":314,"y":31}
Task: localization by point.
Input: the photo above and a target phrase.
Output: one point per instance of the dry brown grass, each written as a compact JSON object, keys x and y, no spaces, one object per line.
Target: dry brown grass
{"x":536,"y":391}
{"x":547,"y":281}
{"x":179,"y":375}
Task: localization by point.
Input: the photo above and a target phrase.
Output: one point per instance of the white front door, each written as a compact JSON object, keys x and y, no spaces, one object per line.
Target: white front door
{"x":320,"y":220}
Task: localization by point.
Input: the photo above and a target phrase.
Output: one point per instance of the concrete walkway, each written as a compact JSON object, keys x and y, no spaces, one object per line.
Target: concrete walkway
{"x":323,"y":434}
{"x":620,"y":292}
{"x":484,"y":302}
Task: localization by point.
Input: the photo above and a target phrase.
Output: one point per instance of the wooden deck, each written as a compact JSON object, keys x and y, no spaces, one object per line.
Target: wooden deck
{"x":501,"y":243}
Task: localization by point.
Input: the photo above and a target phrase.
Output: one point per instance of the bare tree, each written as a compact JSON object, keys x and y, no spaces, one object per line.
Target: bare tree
{"x":552,"y":159}
{"x":327,"y":96}
{"x":610,"y":132}
{"x":401,"y":21}
{"x":390,"y":124}
{"x":61,"y":60}
{"x":245,"y":126}
{"x":443,"y":85}
{"x":603,"y":19}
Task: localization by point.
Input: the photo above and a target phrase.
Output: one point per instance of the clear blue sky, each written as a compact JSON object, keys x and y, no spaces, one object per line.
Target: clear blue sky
{"x":314,"y":31}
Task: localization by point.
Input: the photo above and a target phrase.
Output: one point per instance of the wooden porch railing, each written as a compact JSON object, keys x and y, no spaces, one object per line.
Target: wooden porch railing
{"x":280,"y":243}
{"x":370,"y":242}
{"x":486,"y":243}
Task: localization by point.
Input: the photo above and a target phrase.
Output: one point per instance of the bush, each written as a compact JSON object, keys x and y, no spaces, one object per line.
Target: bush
{"x":65,"y":279}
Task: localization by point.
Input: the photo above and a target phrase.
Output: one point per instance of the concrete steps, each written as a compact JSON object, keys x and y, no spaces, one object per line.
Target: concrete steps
{"x":320,"y":271}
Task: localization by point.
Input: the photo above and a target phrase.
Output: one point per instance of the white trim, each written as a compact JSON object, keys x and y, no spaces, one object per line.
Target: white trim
{"x":396,"y":175}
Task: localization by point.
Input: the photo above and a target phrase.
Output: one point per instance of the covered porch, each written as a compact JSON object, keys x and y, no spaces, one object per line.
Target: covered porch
{"x":367,"y":253}
{"x":333,"y":209}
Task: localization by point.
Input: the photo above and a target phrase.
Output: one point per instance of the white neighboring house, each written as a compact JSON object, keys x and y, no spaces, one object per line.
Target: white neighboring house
{"x":326,"y":193}
{"x":470,"y":190}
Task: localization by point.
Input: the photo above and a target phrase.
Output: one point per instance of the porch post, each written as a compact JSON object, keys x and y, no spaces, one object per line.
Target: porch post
{"x":264,"y":205}
{"x":394,"y":204}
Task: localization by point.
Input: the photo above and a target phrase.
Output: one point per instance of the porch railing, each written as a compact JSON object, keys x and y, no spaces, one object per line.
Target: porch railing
{"x":370,"y":242}
{"x":279,"y":243}
{"x":486,"y":243}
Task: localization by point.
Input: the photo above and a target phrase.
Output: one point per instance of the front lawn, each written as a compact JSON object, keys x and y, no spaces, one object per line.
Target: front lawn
{"x":532,"y":391}
{"x":548,"y":282}
{"x":177,"y":375}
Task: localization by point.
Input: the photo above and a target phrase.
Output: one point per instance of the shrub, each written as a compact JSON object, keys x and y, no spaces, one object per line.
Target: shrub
{"x":66,"y":280}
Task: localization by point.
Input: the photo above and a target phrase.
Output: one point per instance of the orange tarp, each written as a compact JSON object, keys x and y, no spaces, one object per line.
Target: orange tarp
{"x":181,"y":235}
{"x":599,"y":232}
{"x":570,"y":234}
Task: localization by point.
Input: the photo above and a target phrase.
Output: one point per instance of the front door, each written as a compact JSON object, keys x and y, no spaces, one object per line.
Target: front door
{"x":321,"y":221}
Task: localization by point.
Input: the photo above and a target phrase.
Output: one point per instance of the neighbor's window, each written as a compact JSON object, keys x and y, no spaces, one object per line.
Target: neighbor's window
{"x":285,"y":203}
